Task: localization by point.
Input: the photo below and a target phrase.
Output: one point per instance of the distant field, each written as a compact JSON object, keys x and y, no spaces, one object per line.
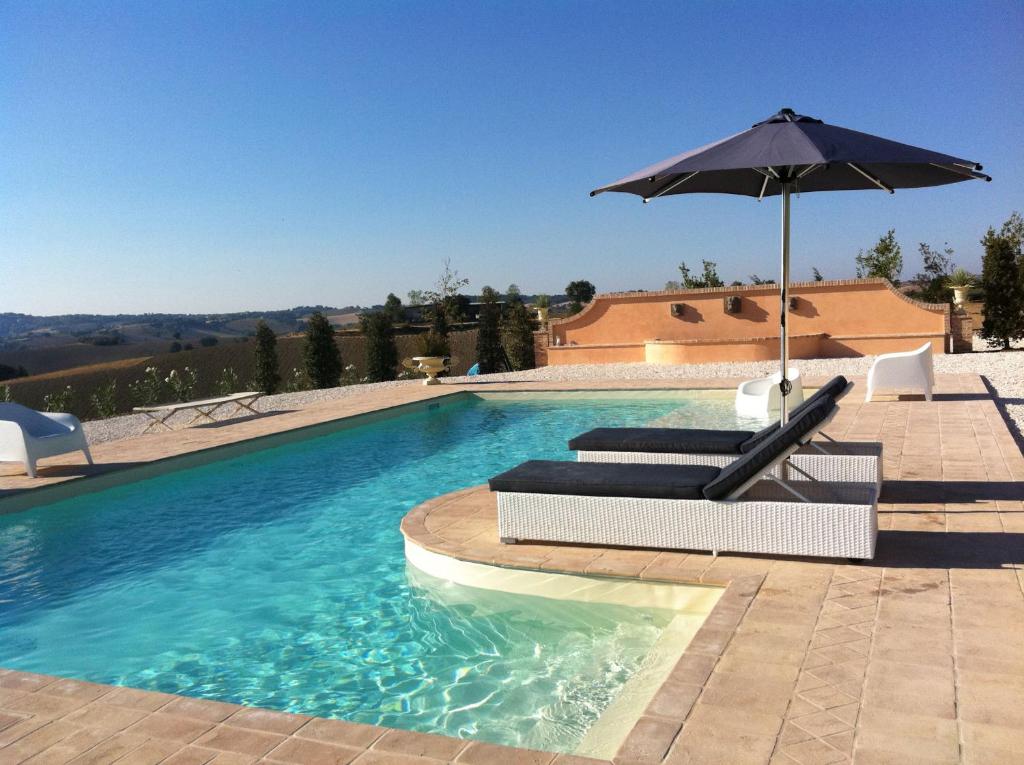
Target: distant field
{"x":236,"y":353}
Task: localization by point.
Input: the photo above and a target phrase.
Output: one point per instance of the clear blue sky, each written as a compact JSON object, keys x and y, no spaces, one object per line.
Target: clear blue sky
{"x":176,"y":156}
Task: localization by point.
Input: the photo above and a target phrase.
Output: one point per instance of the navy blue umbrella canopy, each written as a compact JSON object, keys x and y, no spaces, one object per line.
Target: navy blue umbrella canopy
{"x":788,"y":153}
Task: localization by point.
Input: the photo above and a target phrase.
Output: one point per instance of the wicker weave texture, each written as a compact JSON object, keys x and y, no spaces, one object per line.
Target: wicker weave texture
{"x":841,"y":468}
{"x":819,"y":529}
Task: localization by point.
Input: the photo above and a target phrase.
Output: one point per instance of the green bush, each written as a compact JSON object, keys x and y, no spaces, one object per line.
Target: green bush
{"x":321,"y":355}
{"x":59,"y":401}
{"x":149,"y":390}
{"x":381,"y":349}
{"x":228,"y":382}
{"x":183,"y":384}
{"x":104,"y":400}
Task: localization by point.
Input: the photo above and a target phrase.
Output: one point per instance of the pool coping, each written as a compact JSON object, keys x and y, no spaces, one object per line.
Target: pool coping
{"x":51,"y":717}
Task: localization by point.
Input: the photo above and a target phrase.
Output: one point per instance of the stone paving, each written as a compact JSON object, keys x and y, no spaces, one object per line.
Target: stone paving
{"x":917,"y":657}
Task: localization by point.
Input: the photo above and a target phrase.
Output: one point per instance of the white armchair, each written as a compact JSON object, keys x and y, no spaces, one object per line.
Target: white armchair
{"x":906,"y":369}
{"x":757,"y":398}
{"x":27,"y":435}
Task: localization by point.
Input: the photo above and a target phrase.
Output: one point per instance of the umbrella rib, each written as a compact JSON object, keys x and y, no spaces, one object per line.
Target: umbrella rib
{"x":667,"y":188}
{"x":764,"y":186}
{"x":871,"y":178}
{"x":966,"y":172}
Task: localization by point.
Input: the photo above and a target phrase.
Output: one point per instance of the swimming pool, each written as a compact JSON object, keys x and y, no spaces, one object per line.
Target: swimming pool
{"x":277,"y":579}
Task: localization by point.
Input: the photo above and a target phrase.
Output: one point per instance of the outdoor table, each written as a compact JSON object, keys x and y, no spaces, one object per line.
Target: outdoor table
{"x":203,"y":408}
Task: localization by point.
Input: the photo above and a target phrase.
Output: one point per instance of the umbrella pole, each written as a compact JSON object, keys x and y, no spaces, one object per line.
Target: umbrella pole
{"x":784,"y":384}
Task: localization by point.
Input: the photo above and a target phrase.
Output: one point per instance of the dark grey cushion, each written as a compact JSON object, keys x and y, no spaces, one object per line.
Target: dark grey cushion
{"x":678,"y":440}
{"x":755,"y":463}
{"x":601,"y":479}
{"x":832,"y":389}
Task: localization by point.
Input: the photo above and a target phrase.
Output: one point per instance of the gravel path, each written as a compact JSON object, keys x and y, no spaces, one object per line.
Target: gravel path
{"x":1003,"y":370}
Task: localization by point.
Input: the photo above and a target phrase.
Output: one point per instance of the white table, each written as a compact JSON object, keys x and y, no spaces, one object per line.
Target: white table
{"x":204,"y":408}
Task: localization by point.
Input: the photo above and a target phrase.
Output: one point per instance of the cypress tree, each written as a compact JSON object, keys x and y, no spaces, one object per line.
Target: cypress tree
{"x":517,"y":333}
{"x":320,"y":353}
{"x":381,"y":350}
{"x":488,"y":338}
{"x":268,"y":374}
{"x":1002,"y":278}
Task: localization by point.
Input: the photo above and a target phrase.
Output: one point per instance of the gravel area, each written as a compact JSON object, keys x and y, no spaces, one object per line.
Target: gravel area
{"x":1003,"y":370}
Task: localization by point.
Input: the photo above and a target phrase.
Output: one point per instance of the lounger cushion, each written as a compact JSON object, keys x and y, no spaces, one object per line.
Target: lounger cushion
{"x":598,"y":479}
{"x":756,"y":462}
{"x":679,"y":440}
{"x":831,"y":389}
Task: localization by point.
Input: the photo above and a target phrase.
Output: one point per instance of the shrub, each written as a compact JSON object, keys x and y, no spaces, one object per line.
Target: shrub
{"x":296,"y":381}
{"x":228,"y":382}
{"x":268,"y":375}
{"x":175,"y":347}
{"x":433,"y":343}
{"x":149,"y":390}
{"x":381,"y":349}
{"x":489,"y":353}
{"x":321,"y":355}
{"x":104,"y":400}
{"x":208,"y":342}
{"x":59,"y":401}
{"x":182,"y":385}
{"x":517,"y":333}
{"x":1002,"y":279}
{"x":709,"y":277}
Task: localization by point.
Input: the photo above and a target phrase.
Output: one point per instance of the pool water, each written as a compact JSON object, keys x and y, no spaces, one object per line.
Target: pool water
{"x":278,"y":579}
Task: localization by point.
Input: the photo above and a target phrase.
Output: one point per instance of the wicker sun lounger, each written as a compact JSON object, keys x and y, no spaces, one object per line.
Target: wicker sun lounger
{"x":742,"y":507}
{"x":853,"y":462}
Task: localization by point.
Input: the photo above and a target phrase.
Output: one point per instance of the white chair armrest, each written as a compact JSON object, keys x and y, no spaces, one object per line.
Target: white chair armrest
{"x":68,"y":420}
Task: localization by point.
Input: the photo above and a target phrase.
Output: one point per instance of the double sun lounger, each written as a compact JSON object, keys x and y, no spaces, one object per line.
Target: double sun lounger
{"x":772,"y":491}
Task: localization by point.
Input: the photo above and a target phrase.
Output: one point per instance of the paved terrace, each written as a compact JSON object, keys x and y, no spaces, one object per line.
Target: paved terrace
{"x":917,"y":657}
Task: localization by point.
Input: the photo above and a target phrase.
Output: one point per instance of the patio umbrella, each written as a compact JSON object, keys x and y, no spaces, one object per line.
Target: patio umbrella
{"x":788,"y":153}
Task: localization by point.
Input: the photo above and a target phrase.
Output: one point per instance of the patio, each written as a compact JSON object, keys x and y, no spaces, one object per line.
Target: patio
{"x":915,"y":657}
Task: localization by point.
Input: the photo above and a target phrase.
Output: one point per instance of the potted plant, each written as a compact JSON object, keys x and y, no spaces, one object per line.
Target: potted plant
{"x":959,"y":281}
{"x":542,"y":303}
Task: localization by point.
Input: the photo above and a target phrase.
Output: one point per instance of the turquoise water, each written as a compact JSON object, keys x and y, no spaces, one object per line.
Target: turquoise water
{"x":278,"y":579}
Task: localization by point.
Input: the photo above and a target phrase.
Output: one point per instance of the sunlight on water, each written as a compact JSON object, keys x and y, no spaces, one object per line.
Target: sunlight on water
{"x":278,"y":580}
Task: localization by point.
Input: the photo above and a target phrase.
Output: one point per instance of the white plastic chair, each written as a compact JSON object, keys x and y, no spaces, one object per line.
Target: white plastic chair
{"x":27,"y":435}
{"x":906,"y":369}
{"x":757,"y":398}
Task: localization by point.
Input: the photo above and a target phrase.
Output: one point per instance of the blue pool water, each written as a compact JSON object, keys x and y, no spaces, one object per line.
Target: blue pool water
{"x":278,"y":579}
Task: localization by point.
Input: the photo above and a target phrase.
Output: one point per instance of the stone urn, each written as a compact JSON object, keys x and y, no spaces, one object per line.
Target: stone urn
{"x":431,"y":366}
{"x":542,"y":314}
{"x":959,"y":296}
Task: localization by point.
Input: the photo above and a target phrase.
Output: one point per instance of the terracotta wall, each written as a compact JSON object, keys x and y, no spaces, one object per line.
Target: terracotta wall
{"x":830,"y":319}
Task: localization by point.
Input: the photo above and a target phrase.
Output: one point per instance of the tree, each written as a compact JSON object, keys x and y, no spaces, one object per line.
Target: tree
{"x":884,"y":260}
{"x":938,"y":265}
{"x":817,"y":275}
{"x":488,"y":339}
{"x":381,"y":350}
{"x":393,"y":308}
{"x":517,"y":335}
{"x":268,"y":373}
{"x":579,"y":292}
{"x":320,"y":353}
{"x":672,"y":285}
{"x":416,"y":297}
{"x":1002,"y":279}
{"x":755,"y":279}
{"x":709,"y":279}
{"x":513,"y":292}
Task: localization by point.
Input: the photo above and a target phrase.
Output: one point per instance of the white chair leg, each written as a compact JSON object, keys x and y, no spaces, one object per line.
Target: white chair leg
{"x":30,"y":467}
{"x":88,"y":455}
